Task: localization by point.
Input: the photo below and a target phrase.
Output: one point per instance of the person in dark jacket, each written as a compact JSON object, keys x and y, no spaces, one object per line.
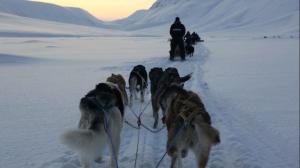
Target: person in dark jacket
{"x":177,"y":31}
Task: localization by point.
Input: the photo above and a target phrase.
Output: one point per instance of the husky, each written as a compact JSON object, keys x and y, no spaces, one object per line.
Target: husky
{"x":138,"y":81}
{"x":168,"y":77}
{"x":189,"y":126}
{"x":189,"y":50}
{"x":100,"y":125}
{"x":155,"y":75}
{"x":120,"y":81}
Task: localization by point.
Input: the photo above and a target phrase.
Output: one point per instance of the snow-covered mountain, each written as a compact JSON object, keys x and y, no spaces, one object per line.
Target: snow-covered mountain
{"x":264,"y":17}
{"x":18,"y":26}
{"x":51,"y":12}
{"x":221,"y":15}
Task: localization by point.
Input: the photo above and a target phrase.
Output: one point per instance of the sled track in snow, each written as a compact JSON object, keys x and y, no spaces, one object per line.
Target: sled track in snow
{"x":233,"y":152}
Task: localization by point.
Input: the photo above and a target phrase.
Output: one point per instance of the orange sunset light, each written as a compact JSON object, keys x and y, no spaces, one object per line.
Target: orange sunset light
{"x":105,"y":9}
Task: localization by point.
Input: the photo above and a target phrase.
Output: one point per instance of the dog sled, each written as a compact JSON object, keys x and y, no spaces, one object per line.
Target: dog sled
{"x":188,"y":51}
{"x":176,"y":49}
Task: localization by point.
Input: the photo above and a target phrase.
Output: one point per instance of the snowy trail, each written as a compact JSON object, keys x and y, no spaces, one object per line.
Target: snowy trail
{"x":237,"y":147}
{"x":239,"y":143}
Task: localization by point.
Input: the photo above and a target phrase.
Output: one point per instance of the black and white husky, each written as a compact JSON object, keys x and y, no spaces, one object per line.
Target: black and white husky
{"x":100,"y":125}
{"x":138,"y":81}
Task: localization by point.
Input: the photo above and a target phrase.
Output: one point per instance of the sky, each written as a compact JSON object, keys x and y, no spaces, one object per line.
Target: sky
{"x":106,"y":9}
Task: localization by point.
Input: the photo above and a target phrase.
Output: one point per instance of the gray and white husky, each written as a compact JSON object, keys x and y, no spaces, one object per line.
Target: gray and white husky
{"x":100,"y":125}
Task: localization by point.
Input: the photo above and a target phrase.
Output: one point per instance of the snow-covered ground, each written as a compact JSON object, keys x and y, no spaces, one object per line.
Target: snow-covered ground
{"x":249,"y":86}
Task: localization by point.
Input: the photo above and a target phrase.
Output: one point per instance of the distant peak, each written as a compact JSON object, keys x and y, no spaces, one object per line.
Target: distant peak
{"x":163,"y":3}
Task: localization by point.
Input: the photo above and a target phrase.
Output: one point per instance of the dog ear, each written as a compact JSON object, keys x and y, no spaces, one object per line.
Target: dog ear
{"x":186,"y":78}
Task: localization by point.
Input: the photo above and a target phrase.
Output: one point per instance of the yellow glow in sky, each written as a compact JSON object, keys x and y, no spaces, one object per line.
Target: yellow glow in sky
{"x":105,"y":9}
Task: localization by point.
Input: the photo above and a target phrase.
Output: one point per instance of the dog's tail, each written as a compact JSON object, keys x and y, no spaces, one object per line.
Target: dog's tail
{"x":186,"y":78}
{"x":206,"y":130}
{"x":82,"y":140}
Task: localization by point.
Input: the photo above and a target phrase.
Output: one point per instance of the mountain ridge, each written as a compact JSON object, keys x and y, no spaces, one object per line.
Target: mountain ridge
{"x":217,"y":15}
{"x":50,"y":12}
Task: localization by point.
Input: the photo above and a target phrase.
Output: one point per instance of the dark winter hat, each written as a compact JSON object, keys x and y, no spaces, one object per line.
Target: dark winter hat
{"x":177,"y":19}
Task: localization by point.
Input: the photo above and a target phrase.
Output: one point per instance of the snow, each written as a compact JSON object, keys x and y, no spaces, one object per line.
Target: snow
{"x":50,"y":12}
{"x":263,"y":17}
{"x":260,"y":79}
{"x":18,"y":26}
{"x":260,"y":17}
{"x":249,"y":84}
{"x":251,"y":93}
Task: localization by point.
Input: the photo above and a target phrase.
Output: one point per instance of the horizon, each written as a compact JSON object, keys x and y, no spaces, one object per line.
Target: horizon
{"x":103,"y":9}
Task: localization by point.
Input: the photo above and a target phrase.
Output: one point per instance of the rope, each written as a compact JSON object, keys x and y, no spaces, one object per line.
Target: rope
{"x":131,"y":125}
{"x":137,"y":146}
{"x":138,"y":141}
{"x":133,"y":113}
{"x":144,"y":109}
{"x":110,"y":137}
{"x":144,"y":126}
{"x":106,"y":128}
{"x":172,"y":142}
{"x":143,"y":80}
{"x":162,"y":158}
{"x":151,"y":130}
{"x":138,"y":117}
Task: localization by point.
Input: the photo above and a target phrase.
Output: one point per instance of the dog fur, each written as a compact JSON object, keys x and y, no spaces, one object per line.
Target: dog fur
{"x":155,"y":75}
{"x":138,"y":81}
{"x":186,"y":107}
{"x":104,"y":102}
{"x":189,"y":50}
{"x":170,"y":76}
{"x":120,"y":81}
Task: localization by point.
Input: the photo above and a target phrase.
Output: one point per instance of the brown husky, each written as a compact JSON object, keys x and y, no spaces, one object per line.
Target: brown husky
{"x":120,"y":82}
{"x":168,"y":77}
{"x":189,"y":126}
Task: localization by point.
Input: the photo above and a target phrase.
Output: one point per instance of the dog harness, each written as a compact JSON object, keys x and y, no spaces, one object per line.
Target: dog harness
{"x":190,"y":110}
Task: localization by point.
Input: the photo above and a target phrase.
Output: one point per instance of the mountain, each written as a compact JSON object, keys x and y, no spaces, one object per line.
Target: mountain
{"x":50,"y":12}
{"x":220,"y":15}
{"x":18,"y":26}
{"x":268,"y":17}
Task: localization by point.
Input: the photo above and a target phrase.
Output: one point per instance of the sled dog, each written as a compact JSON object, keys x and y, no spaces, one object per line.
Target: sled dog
{"x":189,"y":50}
{"x":120,"y":81}
{"x":100,"y":125}
{"x":155,"y":75}
{"x":189,"y":126}
{"x":170,"y":76}
{"x":138,"y":81}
